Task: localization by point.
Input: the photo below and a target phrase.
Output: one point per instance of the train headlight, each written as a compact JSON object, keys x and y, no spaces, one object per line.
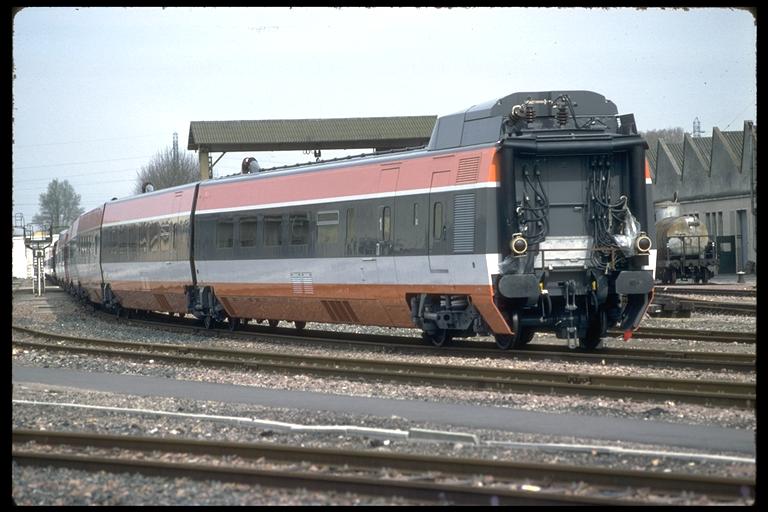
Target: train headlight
{"x":518,"y":244}
{"x":643,"y":243}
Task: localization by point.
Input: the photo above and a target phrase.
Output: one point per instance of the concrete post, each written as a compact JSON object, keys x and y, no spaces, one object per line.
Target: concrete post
{"x":204,"y":170}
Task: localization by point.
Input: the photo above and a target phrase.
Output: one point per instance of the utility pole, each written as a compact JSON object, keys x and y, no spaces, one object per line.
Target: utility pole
{"x":175,"y":151}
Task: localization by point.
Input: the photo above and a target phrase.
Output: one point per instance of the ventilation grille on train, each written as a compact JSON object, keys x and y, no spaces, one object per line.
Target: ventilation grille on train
{"x":464,"y":223}
{"x":468,"y":169}
{"x":340,"y":311}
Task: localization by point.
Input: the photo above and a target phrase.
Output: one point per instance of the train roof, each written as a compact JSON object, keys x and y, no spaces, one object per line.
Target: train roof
{"x":487,"y":122}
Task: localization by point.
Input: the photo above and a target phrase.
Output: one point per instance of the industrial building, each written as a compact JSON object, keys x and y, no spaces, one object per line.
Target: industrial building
{"x":714,"y":179}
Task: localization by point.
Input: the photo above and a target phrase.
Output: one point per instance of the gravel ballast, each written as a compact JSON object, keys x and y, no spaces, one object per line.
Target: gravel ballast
{"x":57,"y":312}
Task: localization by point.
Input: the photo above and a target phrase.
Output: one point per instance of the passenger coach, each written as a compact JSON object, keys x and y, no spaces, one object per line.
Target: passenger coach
{"x":523,"y":214}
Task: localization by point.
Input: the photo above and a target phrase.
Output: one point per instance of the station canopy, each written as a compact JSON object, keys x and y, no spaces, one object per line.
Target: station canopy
{"x":380,"y":133}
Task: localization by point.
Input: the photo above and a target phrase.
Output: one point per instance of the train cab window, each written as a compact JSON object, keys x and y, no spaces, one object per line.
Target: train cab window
{"x":225,"y":234}
{"x":273,"y":230}
{"x":386,"y":223}
{"x":299,"y":224}
{"x":328,"y":227}
{"x":248,"y":232}
{"x":437,"y":221}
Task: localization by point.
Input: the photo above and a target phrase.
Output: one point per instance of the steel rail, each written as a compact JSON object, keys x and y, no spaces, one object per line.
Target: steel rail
{"x":693,"y":391}
{"x":691,"y":334}
{"x":729,"y":308}
{"x":507,"y":471}
{"x":533,"y":351}
{"x":683,"y":290}
{"x":660,"y":358}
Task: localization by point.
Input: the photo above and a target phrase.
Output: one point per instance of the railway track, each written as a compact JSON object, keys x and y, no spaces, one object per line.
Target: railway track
{"x":665,"y":333}
{"x":430,"y":478}
{"x":710,"y":306}
{"x":693,"y":290}
{"x":716,"y":361}
{"x":729,"y":394}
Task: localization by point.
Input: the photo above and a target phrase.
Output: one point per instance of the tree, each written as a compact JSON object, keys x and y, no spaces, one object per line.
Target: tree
{"x":667,"y":134}
{"x":59,"y":206}
{"x":167,"y":169}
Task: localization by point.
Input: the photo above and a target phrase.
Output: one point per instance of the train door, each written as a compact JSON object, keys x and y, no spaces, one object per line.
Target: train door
{"x":437,"y":245}
{"x":385,"y":260}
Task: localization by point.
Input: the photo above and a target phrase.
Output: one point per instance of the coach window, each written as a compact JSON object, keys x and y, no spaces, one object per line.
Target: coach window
{"x":437,"y":219}
{"x":299,"y":224}
{"x":133,"y":240}
{"x":248,"y":232}
{"x":154,"y":237}
{"x":225,"y":232}
{"x":273,"y":230}
{"x":328,"y":227}
{"x":174,"y":235}
{"x":350,"y":232}
{"x":143,"y":238}
{"x":165,"y":236}
{"x":386,"y":223}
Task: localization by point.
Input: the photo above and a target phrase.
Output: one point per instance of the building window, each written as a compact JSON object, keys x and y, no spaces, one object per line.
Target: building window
{"x":720,"y":224}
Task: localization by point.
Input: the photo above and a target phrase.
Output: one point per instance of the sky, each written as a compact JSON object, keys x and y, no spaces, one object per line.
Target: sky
{"x":98,"y":92}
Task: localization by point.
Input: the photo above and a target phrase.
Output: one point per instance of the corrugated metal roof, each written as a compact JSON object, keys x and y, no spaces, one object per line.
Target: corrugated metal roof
{"x":704,"y":145}
{"x":735,"y":140}
{"x":307,"y":134}
{"x":676,"y":150}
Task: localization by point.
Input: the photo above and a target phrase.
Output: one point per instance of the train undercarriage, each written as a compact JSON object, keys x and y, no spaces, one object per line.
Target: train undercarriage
{"x":577,"y":307}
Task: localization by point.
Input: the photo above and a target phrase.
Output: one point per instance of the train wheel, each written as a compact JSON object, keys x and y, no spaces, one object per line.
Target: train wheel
{"x":519,"y":339}
{"x":595,"y":331}
{"x":273,"y":323}
{"x":234,"y":323}
{"x":440,"y":338}
{"x":705,"y":276}
{"x":299,"y":325}
{"x":672,"y":276}
{"x":208,"y":322}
